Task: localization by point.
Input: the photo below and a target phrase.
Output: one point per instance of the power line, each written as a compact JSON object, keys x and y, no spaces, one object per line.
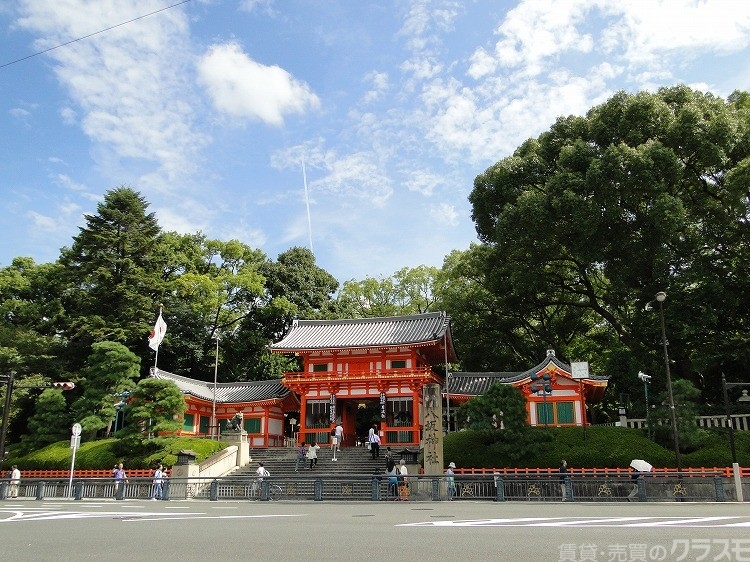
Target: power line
{"x":95,"y":33}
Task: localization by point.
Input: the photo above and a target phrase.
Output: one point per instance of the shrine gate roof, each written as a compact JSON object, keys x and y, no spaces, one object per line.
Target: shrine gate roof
{"x":407,"y":331}
{"x":226,"y":392}
{"x":474,"y":384}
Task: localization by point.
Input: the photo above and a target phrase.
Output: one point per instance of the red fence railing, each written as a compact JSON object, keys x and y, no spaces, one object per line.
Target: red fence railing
{"x":724,"y":471}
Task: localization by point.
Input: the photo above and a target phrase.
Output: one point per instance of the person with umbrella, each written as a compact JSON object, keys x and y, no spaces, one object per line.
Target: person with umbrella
{"x":638,"y":466}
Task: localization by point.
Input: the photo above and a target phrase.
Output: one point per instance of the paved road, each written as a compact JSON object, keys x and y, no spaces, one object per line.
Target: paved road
{"x":433,"y":531}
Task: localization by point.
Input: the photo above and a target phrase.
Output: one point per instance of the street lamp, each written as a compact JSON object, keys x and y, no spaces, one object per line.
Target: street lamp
{"x":661,"y":296}
{"x":214,"y":425}
{"x":646,"y":379}
{"x":544,"y":390}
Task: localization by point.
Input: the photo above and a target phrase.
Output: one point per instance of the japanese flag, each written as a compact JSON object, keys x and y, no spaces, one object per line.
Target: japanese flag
{"x":158,"y":334}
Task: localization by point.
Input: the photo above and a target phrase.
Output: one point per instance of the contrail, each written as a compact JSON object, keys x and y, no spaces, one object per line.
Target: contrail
{"x":307,"y":203}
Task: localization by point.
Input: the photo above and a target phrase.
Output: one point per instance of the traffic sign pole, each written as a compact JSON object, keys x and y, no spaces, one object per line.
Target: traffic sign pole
{"x":75,"y":442}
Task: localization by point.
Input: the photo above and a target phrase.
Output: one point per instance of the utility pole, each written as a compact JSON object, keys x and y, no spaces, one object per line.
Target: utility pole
{"x":3,"y":433}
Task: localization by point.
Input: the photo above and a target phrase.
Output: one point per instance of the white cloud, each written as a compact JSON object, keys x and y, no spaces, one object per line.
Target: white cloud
{"x":444,"y":214}
{"x":380,"y":85}
{"x":355,"y":175}
{"x":423,"y":181}
{"x":130,"y":84}
{"x":265,"y":6}
{"x":242,"y":87}
{"x":67,"y":182}
{"x":19,"y":113}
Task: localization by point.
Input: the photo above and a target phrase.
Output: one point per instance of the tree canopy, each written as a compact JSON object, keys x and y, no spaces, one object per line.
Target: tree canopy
{"x":647,"y":192}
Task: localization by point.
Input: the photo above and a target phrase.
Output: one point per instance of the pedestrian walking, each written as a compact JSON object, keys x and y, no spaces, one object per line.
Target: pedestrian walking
{"x":15,"y":481}
{"x":158,"y":483}
{"x":450,"y":482}
{"x":301,"y":453}
{"x":312,"y":455}
{"x":563,"y":476}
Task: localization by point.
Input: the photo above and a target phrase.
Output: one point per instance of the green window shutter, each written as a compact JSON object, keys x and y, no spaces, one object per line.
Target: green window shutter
{"x":204,"y":421}
{"x":188,"y":422}
{"x":544,"y":413}
{"x":565,"y":413}
{"x":252,"y":425}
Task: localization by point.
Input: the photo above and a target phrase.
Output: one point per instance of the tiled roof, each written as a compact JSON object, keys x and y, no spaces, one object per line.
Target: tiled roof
{"x":310,"y":335}
{"x":474,"y":384}
{"x":226,"y":392}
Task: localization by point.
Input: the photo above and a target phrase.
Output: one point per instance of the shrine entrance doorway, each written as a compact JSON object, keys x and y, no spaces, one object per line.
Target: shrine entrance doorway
{"x":366,"y":413}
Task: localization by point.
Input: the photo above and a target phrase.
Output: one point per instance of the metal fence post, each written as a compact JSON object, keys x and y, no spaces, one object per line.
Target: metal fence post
{"x":641,"y":482}
{"x":568,"y":489}
{"x":3,"y":490}
{"x":40,"y":490}
{"x":214,"y":491}
{"x":264,"y":491}
{"x":719,"y":485}
{"x":318,"y":490}
{"x":436,"y":489}
{"x":499,"y":490}
{"x":375,"y":487}
{"x":78,"y":493}
{"x":165,"y":490}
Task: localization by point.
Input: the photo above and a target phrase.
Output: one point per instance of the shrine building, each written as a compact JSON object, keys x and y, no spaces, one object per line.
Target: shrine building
{"x":556,"y":393}
{"x":366,"y":371}
{"x":371,"y":371}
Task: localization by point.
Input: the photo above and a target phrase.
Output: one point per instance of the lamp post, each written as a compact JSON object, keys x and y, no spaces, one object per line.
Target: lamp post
{"x":448,"y":402}
{"x":661,"y":296}
{"x":214,"y":424}
{"x":646,"y":379}
{"x":544,"y":390}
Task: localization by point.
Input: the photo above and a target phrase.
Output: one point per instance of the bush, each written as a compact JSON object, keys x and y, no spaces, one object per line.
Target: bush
{"x":604,"y":447}
{"x":105,"y":453}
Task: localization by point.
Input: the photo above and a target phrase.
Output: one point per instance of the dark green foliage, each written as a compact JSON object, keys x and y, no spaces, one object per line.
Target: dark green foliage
{"x":586,"y":223}
{"x":501,"y":405}
{"x":113,"y":282}
{"x":50,"y":422}
{"x":111,"y":369}
{"x":155,"y":408}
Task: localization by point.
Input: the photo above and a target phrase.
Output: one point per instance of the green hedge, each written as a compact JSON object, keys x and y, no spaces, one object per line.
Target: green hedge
{"x":105,"y":453}
{"x":605,"y":447}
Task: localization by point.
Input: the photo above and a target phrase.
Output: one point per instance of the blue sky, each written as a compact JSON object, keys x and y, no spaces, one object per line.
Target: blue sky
{"x":210,"y":108}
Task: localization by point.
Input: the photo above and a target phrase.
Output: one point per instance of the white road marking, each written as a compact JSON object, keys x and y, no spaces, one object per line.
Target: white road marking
{"x":655,"y":522}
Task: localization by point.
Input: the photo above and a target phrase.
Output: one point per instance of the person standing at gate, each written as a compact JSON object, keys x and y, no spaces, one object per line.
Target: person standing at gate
{"x":15,"y":481}
{"x":563,"y":476}
{"x":120,"y":479}
{"x":375,"y":444}
{"x":450,"y":482}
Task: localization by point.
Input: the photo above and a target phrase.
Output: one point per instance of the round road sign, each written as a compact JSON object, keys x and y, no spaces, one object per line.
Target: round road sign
{"x":76,"y":429}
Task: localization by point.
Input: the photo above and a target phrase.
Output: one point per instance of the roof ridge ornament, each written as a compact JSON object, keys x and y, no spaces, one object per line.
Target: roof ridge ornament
{"x":550,"y":353}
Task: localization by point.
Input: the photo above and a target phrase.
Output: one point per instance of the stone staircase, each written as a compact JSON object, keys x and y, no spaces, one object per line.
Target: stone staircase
{"x":350,"y":460}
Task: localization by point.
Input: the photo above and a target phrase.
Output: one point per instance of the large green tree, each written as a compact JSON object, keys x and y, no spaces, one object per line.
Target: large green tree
{"x":113,"y":278}
{"x":155,"y":408}
{"x":111,"y":369}
{"x":647,"y":192}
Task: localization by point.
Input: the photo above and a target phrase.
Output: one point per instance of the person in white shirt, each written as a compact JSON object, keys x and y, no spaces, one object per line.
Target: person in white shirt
{"x":15,"y":481}
{"x":158,"y":483}
{"x":339,"y":435}
{"x":312,"y":455}
{"x":261,"y":473}
{"x":403,"y":486}
{"x":374,"y":442}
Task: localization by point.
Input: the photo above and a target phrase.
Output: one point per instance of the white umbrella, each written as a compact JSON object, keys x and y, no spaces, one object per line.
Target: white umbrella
{"x":640,"y":465}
